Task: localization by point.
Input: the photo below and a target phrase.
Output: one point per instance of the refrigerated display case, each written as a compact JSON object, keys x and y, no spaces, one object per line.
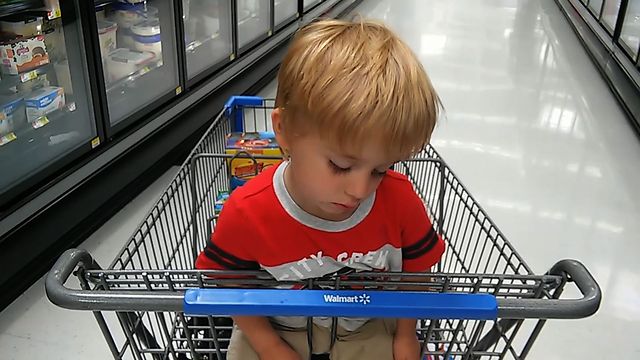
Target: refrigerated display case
{"x":139,"y":57}
{"x":610,"y":10}
{"x":55,"y":188}
{"x":284,"y":11}
{"x":610,"y":31}
{"x":630,"y":34}
{"x":595,"y":6}
{"x":253,"y":22}
{"x":46,"y":112}
{"x":308,"y":4}
{"x":208,"y":34}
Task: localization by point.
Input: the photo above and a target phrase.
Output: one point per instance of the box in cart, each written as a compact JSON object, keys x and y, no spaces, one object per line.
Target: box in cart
{"x":221,"y":198}
{"x":23,"y":54}
{"x":254,"y":143}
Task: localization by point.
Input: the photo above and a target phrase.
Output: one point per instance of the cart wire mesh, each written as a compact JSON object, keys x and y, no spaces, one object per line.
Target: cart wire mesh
{"x":157,"y":262}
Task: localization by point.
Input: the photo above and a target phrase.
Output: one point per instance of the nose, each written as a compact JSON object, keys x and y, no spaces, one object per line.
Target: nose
{"x":359,"y":186}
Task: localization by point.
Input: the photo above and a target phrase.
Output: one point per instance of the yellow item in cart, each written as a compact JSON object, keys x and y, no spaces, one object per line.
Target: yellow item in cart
{"x":254,"y":143}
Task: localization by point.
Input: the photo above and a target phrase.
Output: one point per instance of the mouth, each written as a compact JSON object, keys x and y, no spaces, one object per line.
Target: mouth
{"x":345,"y":206}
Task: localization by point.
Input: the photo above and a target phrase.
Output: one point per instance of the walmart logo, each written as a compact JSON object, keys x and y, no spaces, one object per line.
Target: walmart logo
{"x":363,"y":299}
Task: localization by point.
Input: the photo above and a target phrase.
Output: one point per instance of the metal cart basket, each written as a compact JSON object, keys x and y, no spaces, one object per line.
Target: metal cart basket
{"x":482,"y":302}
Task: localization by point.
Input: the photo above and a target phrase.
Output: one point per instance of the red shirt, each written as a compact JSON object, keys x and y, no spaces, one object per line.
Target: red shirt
{"x":261,"y":227}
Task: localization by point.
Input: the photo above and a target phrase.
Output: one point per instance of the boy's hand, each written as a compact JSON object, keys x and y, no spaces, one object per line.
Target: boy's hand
{"x":280,"y":351}
{"x":406,"y":347}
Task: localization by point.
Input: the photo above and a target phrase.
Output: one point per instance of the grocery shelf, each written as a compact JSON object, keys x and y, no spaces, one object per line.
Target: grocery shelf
{"x":131,"y":79}
{"x":14,"y":7}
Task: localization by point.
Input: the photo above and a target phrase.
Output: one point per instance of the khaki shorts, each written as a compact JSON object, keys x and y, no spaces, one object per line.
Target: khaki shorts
{"x":373,"y":340}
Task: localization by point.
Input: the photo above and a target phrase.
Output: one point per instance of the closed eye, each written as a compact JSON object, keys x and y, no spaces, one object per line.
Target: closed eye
{"x":337,"y":169}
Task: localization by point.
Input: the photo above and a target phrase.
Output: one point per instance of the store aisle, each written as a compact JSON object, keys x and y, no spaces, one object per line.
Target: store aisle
{"x":530,"y":128}
{"x":537,"y":137}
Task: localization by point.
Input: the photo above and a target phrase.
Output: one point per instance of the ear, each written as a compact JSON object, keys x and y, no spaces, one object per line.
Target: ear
{"x":279,"y":128}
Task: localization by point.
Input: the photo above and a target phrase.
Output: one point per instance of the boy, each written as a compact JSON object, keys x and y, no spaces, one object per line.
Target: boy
{"x":352,"y":100}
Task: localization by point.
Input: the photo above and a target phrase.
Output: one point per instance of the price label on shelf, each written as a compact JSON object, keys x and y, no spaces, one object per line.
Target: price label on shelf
{"x":28,"y":76}
{"x":54,"y":14}
{"x":95,"y":142}
{"x":40,"y":122}
{"x":7,"y":138}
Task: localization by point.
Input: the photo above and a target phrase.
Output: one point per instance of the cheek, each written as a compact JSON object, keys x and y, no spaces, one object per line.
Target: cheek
{"x":318,"y":178}
{"x":375,"y":182}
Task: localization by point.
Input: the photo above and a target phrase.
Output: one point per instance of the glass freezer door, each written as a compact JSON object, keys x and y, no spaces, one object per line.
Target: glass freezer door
{"x":254,"y":21}
{"x":46,"y":113}
{"x":208,"y":34}
{"x":630,"y":35}
{"x":308,"y":4}
{"x":139,"y":54}
{"x":284,"y":11}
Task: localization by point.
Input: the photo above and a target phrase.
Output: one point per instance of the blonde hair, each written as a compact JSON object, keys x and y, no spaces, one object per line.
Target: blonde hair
{"x":351,"y":81}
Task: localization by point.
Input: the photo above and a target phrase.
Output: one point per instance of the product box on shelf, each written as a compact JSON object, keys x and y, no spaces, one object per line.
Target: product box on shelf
{"x":146,"y":36}
{"x":254,"y":143}
{"x":22,"y":25}
{"x":44,"y":101}
{"x":124,"y":62}
{"x":23,"y":54}
{"x":107,"y":36}
{"x":12,"y":113}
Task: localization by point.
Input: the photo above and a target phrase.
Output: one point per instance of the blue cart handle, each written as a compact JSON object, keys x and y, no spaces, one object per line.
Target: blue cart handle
{"x":343,"y":303}
{"x":234,"y":106}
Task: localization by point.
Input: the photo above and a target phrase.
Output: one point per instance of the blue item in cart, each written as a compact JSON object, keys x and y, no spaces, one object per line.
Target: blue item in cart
{"x":221,"y":198}
{"x":236,"y":182}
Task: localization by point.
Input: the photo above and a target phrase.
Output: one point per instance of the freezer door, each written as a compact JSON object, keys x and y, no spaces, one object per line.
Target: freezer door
{"x":254,"y":21}
{"x":630,"y":35}
{"x":46,"y":113}
{"x":308,"y":4}
{"x":139,"y":54}
{"x":283,"y":11}
{"x":208,"y":37}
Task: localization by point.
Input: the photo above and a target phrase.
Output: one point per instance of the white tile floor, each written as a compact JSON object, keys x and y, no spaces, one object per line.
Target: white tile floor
{"x":531,"y":129}
{"x":33,"y":328}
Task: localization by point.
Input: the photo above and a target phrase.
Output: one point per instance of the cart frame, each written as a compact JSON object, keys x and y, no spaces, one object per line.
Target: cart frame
{"x":164,"y":309}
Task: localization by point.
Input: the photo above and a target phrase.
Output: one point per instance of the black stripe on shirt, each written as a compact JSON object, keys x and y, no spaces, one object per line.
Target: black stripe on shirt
{"x":227,"y":260}
{"x":423,"y":246}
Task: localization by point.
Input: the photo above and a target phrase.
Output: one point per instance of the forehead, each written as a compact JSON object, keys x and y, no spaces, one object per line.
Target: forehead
{"x":368,"y":151}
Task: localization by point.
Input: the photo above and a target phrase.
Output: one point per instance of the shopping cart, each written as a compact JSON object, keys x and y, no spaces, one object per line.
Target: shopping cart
{"x":482,"y":302}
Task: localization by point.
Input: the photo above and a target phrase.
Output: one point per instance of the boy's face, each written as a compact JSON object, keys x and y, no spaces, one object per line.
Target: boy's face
{"x":325,"y":181}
